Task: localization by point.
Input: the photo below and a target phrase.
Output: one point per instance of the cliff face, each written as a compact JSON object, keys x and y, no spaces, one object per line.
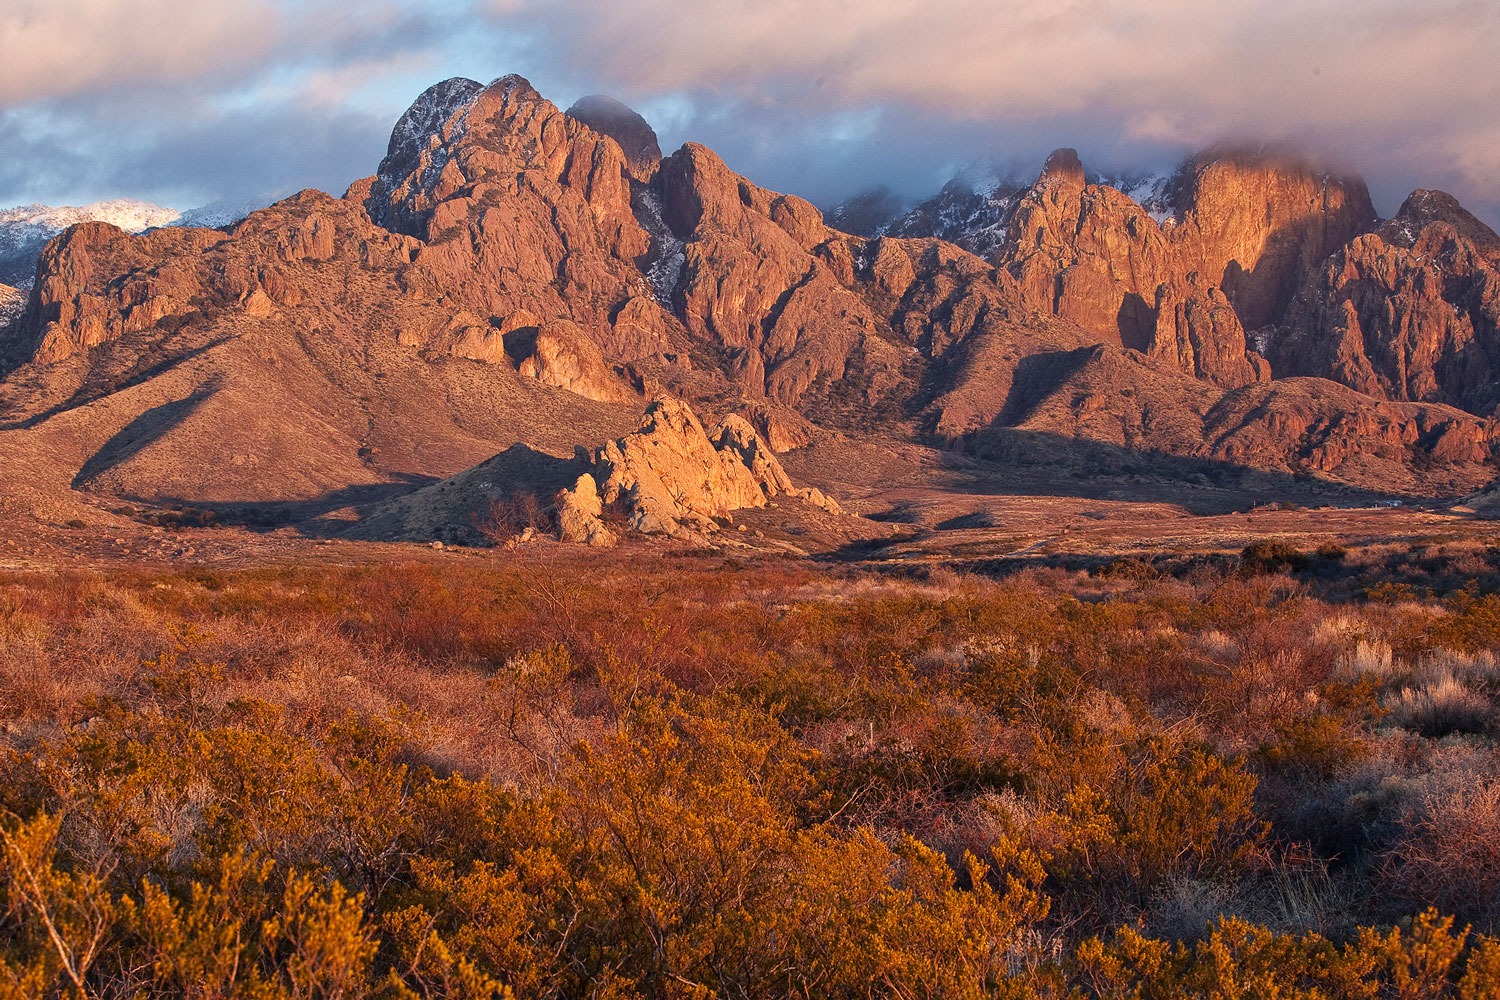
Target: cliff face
{"x":1410,"y":312}
{"x":1244,"y":230}
{"x":505,"y":253}
{"x":1258,"y":226}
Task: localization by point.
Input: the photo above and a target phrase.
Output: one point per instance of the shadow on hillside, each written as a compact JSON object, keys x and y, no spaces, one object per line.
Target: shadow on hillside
{"x":97,"y":387}
{"x":270,"y":514}
{"x":413,"y":507}
{"x":1018,"y":463}
{"x":1036,"y":377}
{"x":142,"y":432}
{"x":1013,"y":462}
{"x":519,"y":483}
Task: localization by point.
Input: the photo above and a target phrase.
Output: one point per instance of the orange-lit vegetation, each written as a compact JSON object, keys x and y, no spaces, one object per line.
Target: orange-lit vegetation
{"x":594,"y":776}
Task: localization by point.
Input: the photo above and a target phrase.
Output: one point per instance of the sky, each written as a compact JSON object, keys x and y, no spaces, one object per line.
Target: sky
{"x":187,"y":102}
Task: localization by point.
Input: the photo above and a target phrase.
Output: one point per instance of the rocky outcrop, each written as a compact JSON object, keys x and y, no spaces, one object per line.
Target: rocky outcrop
{"x":560,"y":353}
{"x":1410,"y":312}
{"x":79,"y":301}
{"x":580,"y":514}
{"x":668,"y":472}
{"x":26,"y":229}
{"x":669,"y":476}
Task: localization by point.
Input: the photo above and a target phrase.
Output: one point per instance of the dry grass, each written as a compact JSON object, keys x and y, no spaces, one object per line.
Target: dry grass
{"x":945,"y":705}
{"x":1439,"y":706}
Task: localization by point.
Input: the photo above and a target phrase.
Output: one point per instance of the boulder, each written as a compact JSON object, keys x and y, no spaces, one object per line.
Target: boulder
{"x":559,"y":353}
{"x":580,"y":514}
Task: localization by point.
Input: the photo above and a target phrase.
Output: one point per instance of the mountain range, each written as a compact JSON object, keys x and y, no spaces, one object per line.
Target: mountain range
{"x":515,"y":274}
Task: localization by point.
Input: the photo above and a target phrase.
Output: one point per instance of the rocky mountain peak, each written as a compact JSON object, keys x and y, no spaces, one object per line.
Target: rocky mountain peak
{"x":1063,"y":166}
{"x":1258,"y":223}
{"x":868,"y":213}
{"x":637,"y":139}
{"x":1423,"y":208}
{"x":426,"y":160}
{"x":424,"y":120}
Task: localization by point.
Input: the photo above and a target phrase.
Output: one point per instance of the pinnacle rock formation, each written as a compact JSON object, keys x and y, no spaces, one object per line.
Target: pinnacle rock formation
{"x":580,"y":514}
{"x":636,"y":138}
{"x":1198,"y":330}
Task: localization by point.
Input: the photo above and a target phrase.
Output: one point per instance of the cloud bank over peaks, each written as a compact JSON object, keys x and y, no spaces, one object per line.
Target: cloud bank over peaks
{"x":1395,"y":89}
{"x":186,"y":101}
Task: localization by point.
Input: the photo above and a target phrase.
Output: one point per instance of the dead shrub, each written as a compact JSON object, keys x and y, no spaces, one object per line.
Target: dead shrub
{"x":1449,"y":855}
{"x":508,"y":516}
{"x":1270,"y":556}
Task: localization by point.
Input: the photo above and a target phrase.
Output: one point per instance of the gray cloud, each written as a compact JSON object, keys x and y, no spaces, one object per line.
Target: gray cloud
{"x":186,"y":100}
{"x":53,"y":48}
{"x":1393,"y":88}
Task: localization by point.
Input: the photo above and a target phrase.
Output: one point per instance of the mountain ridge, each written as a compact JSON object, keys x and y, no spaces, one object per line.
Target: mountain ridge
{"x":511,"y":275}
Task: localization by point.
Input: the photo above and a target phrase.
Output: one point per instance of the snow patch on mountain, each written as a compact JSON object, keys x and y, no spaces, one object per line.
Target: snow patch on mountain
{"x":221,"y":213}
{"x":130,"y":215}
{"x":12,"y":304}
{"x":973,"y":209}
{"x":1151,"y":191}
{"x":424,"y":136}
{"x":668,"y":257}
{"x":25,"y":229}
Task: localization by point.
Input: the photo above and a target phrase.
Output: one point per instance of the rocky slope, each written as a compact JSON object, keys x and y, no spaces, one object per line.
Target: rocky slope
{"x":1075,"y":411}
{"x":1408,"y":312}
{"x":515,"y":274}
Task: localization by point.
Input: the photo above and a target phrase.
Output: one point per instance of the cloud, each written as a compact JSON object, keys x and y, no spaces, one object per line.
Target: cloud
{"x":1387,"y":85}
{"x":259,"y":151}
{"x":188,"y":101}
{"x":210,"y":98}
{"x":60,"y":48}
